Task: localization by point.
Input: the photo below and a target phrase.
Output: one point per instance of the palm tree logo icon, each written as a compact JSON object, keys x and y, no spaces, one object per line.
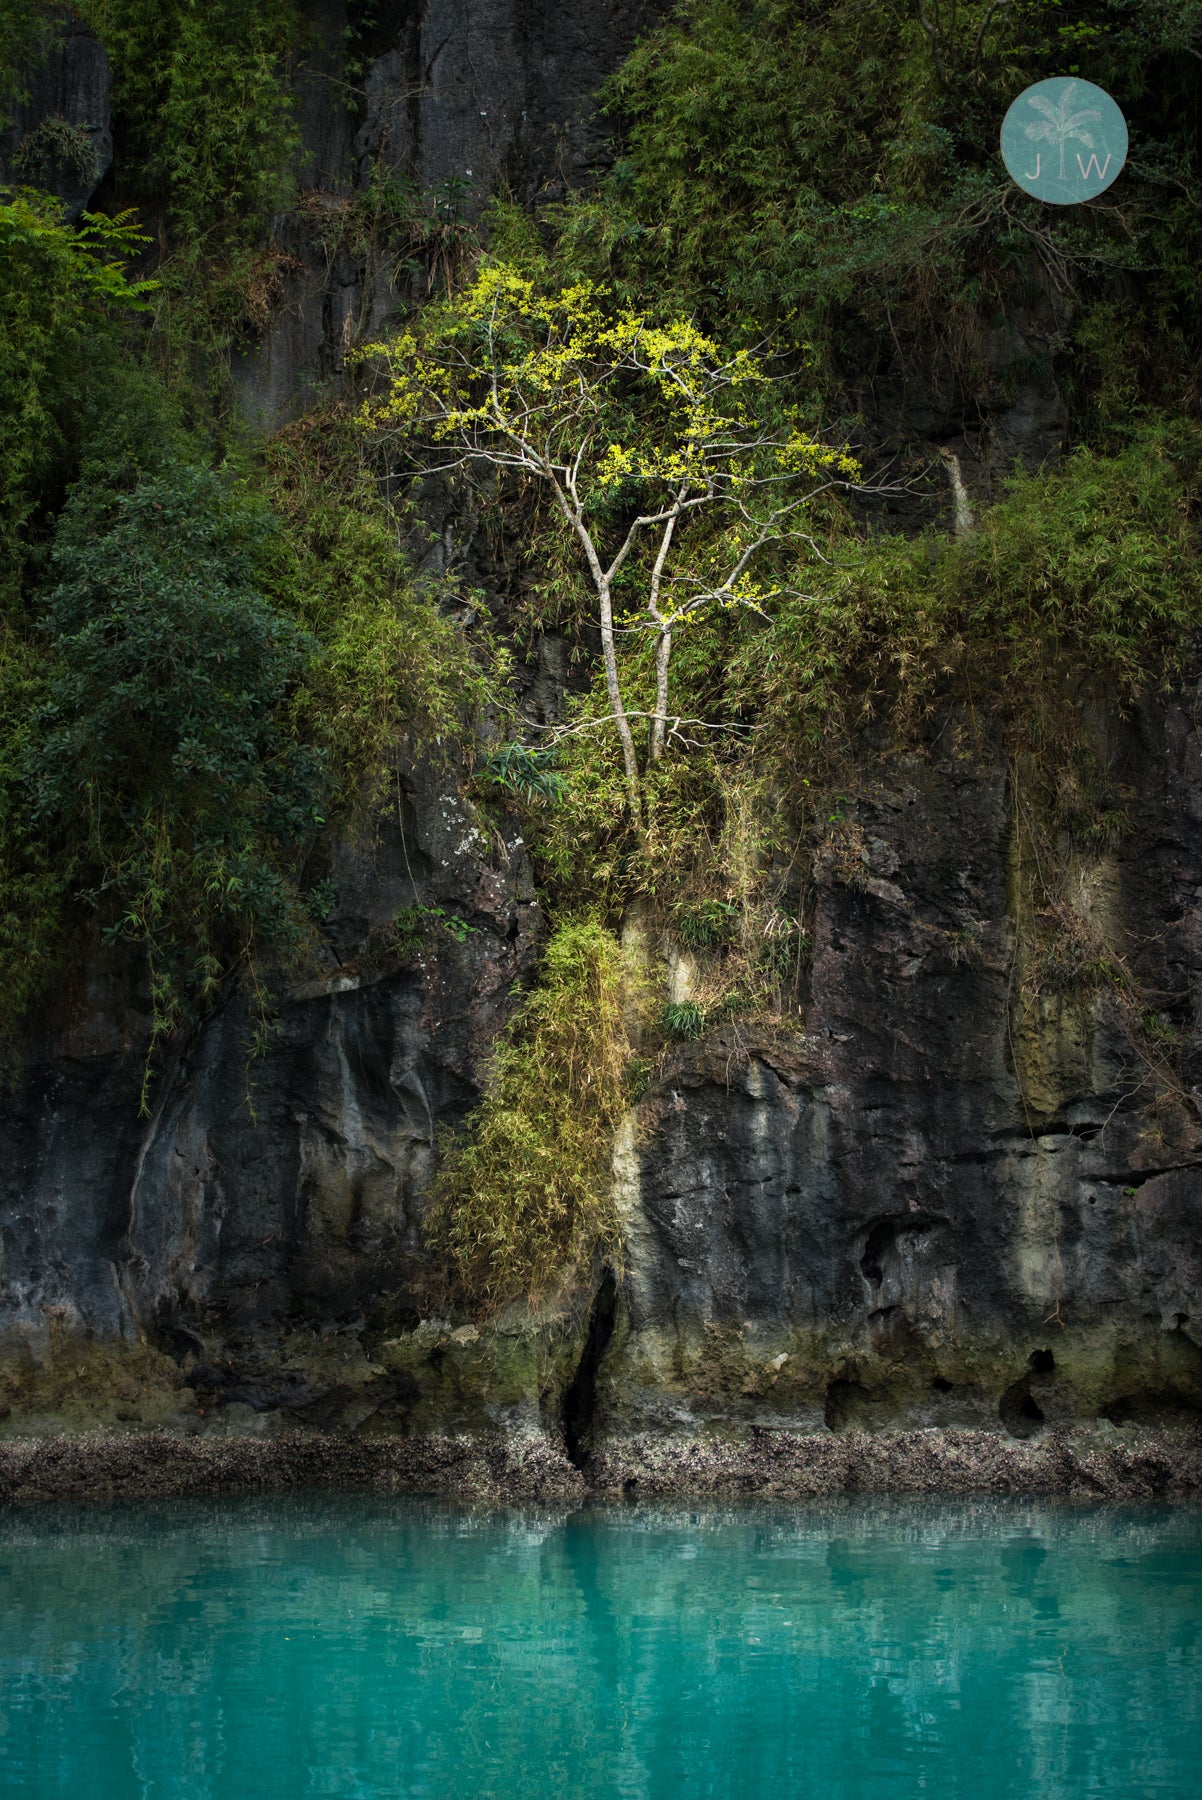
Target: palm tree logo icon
{"x":1060,"y":125}
{"x":1072,"y":132}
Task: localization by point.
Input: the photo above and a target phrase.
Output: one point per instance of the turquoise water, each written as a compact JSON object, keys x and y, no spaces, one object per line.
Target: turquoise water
{"x":353,"y":1647}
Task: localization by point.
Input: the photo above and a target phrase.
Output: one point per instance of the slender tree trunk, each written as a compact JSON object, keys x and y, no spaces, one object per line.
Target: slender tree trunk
{"x":574,"y":514}
{"x":663,"y":647}
{"x":663,"y":653}
{"x":617,"y":707}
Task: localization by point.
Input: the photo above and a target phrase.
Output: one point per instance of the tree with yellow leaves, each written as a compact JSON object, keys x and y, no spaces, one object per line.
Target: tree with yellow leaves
{"x":638,"y":432}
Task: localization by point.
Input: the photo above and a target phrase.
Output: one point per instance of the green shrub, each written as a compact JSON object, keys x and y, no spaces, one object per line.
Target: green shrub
{"x":27,"y":30}
{"x":157,"y":768}
{"x":62,"y":290}
{"x":34,"y":881}
{"x":1083,"y":578}
{"x":391,"y":660}
{"x":525,"y":774}
{"x":682,"y":1020}
{"x":830,"y":175}
{"x":206,"y":141}
{"x":54,"y":149}
{"x":524,"y":1200}
{"x":1089,"y":571}
{"x":701,"y":924}
{"x":205,"y":120}
{"x":208,"y":665}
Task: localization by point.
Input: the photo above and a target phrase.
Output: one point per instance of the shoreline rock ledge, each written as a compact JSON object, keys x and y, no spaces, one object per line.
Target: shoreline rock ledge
{"x":1105,"y":1463}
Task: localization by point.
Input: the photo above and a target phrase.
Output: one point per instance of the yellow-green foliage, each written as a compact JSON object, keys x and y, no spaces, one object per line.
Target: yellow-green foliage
{"x":667,"y":463}
{"x":524,"y":1200}
{"x":570,"y":381}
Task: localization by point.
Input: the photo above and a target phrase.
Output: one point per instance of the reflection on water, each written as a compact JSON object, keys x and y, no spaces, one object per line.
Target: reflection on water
{"x":353,"y":1646}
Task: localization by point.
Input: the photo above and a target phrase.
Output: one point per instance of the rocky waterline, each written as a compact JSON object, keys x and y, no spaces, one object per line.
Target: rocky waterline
{"x":1093,"y":1464}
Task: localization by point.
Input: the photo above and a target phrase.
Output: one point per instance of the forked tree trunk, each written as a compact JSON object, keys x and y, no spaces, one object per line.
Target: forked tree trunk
{"x":616,"y":703}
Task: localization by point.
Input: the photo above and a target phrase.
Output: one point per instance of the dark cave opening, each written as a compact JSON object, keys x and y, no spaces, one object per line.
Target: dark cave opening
{"x":1019,"y":1411}
{"x":580,"y":1398}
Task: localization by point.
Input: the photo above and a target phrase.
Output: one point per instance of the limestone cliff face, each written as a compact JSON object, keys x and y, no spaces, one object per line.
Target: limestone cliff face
{"x":948,"y":1195}
{"x":489,"y":95}
{"x":940,"y":1198}
{"x":943,"y":1193}
{"x":286,"y":1185}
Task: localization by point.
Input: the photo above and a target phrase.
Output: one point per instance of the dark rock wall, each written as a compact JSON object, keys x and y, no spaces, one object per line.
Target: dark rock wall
{"x":496,"y":95}
{"x":73,"y":85}
{"x":947,"y":1195}
{"x":941,"y":1197}
{"x":287,"y":1185}
{"x":501,"y":92}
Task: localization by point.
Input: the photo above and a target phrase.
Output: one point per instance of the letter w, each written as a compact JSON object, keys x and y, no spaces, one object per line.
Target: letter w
{"x":1093,"y":167}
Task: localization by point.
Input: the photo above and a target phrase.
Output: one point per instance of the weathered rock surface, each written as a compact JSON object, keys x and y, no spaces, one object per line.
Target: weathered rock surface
{"x":946,"y":1197}
{"x":500,"y":92}
{"x":484,"y":95}
{"x":498,"y":1469}
{"x":162,"y":1466}
{"x":941,"y":1200}
{"x":946,"y":1194}
{"x":283,"y":1187}
{"x":72,"y":87}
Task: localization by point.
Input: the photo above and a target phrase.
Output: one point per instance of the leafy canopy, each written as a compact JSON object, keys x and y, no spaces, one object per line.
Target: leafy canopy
{"x":157,"y":763}
{"x":61,"y":288}
{"x":668,"y":463}
{"x":572,"y":383}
